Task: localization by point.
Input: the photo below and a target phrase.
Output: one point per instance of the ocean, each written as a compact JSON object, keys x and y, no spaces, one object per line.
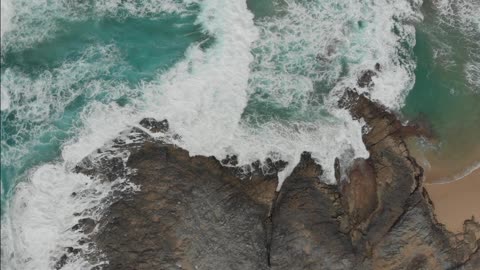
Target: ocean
{"x":258,"y":79}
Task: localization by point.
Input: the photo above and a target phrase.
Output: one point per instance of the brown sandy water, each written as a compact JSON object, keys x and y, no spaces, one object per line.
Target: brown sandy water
{"x":453,"y":183}
{"x":443,"y":95}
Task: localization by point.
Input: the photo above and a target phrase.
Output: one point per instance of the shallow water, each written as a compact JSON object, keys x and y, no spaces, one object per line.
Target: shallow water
{"x":447,"y":92}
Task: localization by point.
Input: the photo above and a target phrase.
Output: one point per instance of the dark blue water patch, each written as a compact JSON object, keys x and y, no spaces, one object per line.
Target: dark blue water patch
{"x":144,"y":45}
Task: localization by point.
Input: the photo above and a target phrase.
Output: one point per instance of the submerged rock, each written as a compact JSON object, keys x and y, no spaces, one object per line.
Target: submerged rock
{"x":154,"y":125}
{"x":194,"y":213}
{"x":366,"y":78}
{"x":85,"y":225}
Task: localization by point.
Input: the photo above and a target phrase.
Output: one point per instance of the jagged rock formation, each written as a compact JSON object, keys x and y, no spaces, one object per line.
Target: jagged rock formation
{"x":401,"y":231}
{"x":194,"y":213}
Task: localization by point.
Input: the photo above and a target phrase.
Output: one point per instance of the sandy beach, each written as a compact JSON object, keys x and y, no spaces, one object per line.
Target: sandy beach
{"x":453,"y":183}
{"x":456,"y":201}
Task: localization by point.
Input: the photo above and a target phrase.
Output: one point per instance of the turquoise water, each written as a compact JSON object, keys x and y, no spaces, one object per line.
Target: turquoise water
{"x":442,"y":94}
{"x":125,"y":51}
{"x":258,"y":79}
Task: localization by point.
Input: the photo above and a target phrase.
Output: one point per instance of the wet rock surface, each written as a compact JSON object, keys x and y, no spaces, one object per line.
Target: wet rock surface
{"x":195,"y":213}
{"x":154,"y":125}
{"x":366,"y":79}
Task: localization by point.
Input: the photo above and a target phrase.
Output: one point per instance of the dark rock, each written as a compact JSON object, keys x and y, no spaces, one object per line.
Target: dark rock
{"x":61,"y":262}
{"x":194,"y":213}
{"x":190,"y":211}
{"x":230,"y":160}
{"x":306,"y":223}
{"x":112,"y":167}
{"x":271,"y":167}
{"x":73,"y":251}
{"x":365,"y":79}
{"x":360,"y":193}
{"x":82,"y":241}
{"x":472,"y":263}
{"x":267,"y":169}
{"x":337,"y":170}
{"x":401,"y":231}
{"x":154,"y":125}
{"x":85,"y":225}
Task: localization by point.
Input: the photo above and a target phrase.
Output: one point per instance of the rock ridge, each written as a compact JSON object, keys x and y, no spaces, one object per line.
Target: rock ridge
{"x":200,"y":213}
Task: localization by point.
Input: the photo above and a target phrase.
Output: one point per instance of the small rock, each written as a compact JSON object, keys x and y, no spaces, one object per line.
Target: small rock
{"x":154,"y":125}
{"x":365,"y":79}
{"x":73,"y":251}
{"x":61,"y":262}
{"x":230,"y":160}
{"x":337,"y":169}
{"x":85,"y":225}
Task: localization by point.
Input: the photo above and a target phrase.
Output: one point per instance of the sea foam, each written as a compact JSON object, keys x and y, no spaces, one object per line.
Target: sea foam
{"x":6,"y":16}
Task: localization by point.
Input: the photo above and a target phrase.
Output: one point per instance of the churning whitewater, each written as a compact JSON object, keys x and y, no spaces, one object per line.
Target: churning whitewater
{"x":228,"y":79}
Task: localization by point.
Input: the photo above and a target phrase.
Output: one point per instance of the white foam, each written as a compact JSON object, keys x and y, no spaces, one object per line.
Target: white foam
{"x":472,"y":74}
{"x":40,"y":101}
{"x":4,"y":98}
{"x":101,"y":123}
{"x":38,"y":219}
{"x":460,"y":13}
{"x":382,"y":45}
{"x":307,"y":44}
{"x":315,"y":39}
{"x":37,"y":222}
{"x":139,"y":8}
{"x":205,"y":95}
{"x":459,"y":176}
{"x":37,"y":229}
{"x":6,"y":15}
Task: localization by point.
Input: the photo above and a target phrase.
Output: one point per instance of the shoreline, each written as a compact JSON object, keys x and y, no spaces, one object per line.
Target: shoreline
{"x":456,"y":201}
{"x":447,"y":166}
{"x":457,"y":177}
{"x":455,"y":192}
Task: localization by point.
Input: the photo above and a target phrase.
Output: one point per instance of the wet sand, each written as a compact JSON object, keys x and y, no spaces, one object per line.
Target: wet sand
{"x":456,"y":201}
{"x":456,"y":196}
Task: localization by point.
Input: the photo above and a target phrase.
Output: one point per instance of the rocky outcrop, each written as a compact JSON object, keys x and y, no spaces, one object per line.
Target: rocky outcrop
{"x":401,"y":232}
{"x":310,"y":226}
{"x":366,"y":79}
{"x":200,"y":213}
{"x":188,"y":214}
